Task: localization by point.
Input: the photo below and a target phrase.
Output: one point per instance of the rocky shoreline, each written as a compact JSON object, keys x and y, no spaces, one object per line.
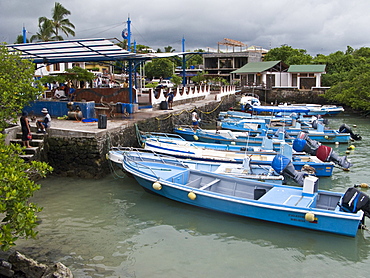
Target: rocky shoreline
{"x":20,"y":266}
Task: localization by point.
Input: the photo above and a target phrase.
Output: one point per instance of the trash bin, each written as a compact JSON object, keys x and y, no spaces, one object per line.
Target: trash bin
{"x":102,"y":121}
{"x":119,"y":107}
{"x":163,"y":105}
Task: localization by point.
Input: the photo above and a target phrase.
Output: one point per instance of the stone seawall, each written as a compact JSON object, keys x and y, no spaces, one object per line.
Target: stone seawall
{"x":282,"y":95}
{"x":84,"y":155}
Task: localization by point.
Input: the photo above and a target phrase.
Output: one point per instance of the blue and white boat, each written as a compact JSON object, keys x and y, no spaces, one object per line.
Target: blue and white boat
{"x":243,"y":170}
{"x":305,"y":207}
{"x":187,"y":150}
{"x":228,"y":137}
{"x":257,"y":127}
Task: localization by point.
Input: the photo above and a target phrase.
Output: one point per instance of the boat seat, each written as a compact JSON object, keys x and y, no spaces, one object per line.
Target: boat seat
{"x":209,"y":184}
{"x":195,"y":183}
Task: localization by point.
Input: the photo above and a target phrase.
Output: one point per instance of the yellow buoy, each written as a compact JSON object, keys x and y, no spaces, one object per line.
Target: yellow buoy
{"x":326,"y":137}
{"x":352,"y":147}
{"x":362,"y":185}
{"x":310,"y":217}
{"x":192,"y":195}
{"x":196,"y":138}
{"x":143,"y":145}
{"x":157,"y":186}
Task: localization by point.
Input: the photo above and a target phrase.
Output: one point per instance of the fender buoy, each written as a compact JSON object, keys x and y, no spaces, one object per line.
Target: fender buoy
{"x":157,"y":186}
{"x":192,"y":195}
{"x":310,"y":217}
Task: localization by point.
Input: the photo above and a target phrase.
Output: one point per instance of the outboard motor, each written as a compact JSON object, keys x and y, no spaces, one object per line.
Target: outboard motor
{"x":74,"y":113}
{"x":346,"y":129}
{"x":283,"y":166}
{"x":303,"y":143}
{"x":324,"y":153}
{"x":281,"y":130}
{"x":354,"y":200}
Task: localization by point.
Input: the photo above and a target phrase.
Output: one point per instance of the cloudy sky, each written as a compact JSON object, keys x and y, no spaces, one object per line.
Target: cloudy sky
{"x":319,"y":26}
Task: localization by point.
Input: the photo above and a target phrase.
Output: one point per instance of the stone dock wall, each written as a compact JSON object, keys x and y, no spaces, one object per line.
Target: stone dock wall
{"x":282,"y":95}
{"x":84,"y":155}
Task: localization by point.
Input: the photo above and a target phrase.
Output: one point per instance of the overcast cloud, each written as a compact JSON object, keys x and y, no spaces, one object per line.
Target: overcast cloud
{"x":315,"y":25}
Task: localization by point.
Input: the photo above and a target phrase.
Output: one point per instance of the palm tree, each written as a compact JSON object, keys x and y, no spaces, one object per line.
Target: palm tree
{"x":45,"y":32}
{"x":49,"y":28}
{"x":60,"y":23}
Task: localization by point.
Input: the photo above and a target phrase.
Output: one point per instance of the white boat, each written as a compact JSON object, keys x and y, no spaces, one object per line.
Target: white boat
{"x":242,"y":170}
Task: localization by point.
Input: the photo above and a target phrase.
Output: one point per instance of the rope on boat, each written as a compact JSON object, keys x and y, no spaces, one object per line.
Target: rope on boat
{"x":114,"y":172}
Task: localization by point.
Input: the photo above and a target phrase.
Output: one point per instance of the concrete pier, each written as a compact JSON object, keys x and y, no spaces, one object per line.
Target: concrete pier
{"x":78,"y":149}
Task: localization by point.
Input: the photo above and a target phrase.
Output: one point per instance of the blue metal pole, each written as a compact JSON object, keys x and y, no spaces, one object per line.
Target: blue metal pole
{"x":183,"y":63}
{"x":129,"y":34}
{"x":24,"y":35}
{"x":130,"y":80}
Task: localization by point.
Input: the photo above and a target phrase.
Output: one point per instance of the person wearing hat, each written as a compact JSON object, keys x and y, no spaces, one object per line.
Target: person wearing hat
{"x":26,"y":130}
{"x":46,"y":123}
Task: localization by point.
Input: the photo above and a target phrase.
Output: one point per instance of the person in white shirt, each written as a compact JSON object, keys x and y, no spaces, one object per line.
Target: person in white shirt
{"x":195,"y":119}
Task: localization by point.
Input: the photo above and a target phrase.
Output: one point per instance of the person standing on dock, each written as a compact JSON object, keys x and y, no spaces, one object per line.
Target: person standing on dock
{"x":170,"y":100}
{"x":26,"y":130}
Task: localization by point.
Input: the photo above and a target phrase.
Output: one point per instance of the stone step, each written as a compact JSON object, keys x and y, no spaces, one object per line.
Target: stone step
{"x":33,"y":142}
{"x":34,"y":135}
{"x":27,"y":157}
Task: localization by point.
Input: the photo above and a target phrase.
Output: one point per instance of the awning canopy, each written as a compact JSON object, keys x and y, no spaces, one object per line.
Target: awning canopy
{"x":82,"y":50}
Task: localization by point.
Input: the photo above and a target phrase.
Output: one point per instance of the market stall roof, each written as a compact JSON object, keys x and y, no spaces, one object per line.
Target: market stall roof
{"x":82,"y":50}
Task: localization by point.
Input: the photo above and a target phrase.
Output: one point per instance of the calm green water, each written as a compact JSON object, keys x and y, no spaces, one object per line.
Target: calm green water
{"x":112,"y":228}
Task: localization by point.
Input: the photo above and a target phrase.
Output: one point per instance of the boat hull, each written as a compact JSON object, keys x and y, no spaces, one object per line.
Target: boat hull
{"x":277,"y":211}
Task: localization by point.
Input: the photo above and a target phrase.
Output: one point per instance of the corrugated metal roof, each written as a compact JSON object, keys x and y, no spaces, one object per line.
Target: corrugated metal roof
{"x":307,"y":68}
{"x":84,"y":50}
{"x":256,"y":67}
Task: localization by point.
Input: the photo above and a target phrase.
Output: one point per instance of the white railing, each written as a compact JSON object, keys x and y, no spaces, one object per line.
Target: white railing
{"x":156,"y":96}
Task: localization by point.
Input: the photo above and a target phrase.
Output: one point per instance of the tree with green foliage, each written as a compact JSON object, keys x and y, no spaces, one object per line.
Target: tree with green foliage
{"x":177,"y":80}
{"x":195,"y":59}
{"x":288,"y":55}
{"x":74,"y":75}
{"x":17,"y":89}
{"x":169,"y":49}
{"x":49,"y":29}
{"x":159,"y":68}
{"x":45,"y":32}
{"x":20,"y":39}
{"x":348,"y":75}
{"x":200,"y":77}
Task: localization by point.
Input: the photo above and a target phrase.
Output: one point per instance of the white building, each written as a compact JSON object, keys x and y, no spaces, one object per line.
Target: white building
{"x":276,"y":74}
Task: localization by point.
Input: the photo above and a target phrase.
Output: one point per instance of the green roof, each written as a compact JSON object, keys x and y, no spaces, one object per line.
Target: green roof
{"x":307,"y":68}
{"x":256,"y":67}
